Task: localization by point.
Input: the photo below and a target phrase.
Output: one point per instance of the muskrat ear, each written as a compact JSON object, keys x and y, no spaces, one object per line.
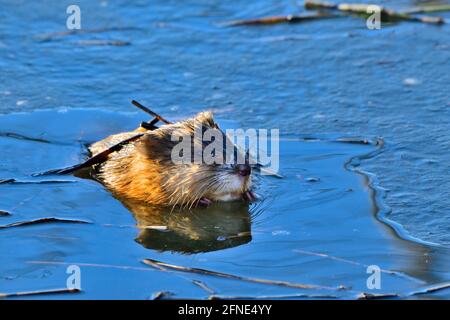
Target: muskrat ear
{"x":206,"y":119}
{"x":155,"y":146}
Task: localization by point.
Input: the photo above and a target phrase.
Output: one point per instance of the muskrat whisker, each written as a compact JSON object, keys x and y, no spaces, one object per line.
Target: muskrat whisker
{"x":185,"y":198}
{"x":174,"y":205}
{"x":174,"y":196}
{"x":201,"y":192}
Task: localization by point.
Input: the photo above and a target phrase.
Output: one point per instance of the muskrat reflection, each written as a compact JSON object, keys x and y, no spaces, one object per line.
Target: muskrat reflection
{"x":220,"y":226}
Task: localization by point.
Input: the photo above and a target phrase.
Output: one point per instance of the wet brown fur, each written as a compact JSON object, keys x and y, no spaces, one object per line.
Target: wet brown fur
{"x":143,"y":170}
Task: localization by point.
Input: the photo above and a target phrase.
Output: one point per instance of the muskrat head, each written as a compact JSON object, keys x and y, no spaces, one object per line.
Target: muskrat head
{"x":195,"y":163}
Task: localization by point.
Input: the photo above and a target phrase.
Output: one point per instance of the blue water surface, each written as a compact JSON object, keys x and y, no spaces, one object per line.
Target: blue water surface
{"x":326,"y":79}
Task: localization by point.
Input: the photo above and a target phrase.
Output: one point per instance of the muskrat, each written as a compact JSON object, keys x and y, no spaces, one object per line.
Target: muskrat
{"x":143,"y":169}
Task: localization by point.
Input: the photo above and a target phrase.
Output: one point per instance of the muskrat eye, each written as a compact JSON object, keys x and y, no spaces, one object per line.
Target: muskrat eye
{"x":243,"y":169}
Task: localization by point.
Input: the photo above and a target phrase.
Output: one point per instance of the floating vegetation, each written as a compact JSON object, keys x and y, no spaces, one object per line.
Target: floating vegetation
{"x":327,"y":256}
{"x":92,"y":265}
{"x":281,"y":19}
{"x":430,"y":9}
{"x":97,"y":159}
{"x":7,"y":181}
{"x":386,"y":15}
{"x":326,"y":10}
{"x":150,"y":112}
{"x":41,"y":221}
{"x":166,"y":267}
{"x":432,"y":288}
{"x":426,"y":290}
{"x":354,"y":140}
{"x":21,"y":137}
{"x":4,"y":213}
{"x":204,"y":286}
{"x":56,"y":35}
{"x":14,"y":181}
{"x":99,"y":42}
{"x":371,"y":296}
{"x":40,"y":292}
{"x":161,"y":295}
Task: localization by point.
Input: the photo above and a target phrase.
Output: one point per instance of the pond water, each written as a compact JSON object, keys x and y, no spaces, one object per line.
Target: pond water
{"x":325,"y":80}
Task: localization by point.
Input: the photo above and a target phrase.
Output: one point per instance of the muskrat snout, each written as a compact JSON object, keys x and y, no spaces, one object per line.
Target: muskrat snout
{"x":243,"y":170}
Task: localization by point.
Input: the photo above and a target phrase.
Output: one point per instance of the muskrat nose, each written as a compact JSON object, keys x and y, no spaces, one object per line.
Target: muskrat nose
{"x":243,"y":169}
